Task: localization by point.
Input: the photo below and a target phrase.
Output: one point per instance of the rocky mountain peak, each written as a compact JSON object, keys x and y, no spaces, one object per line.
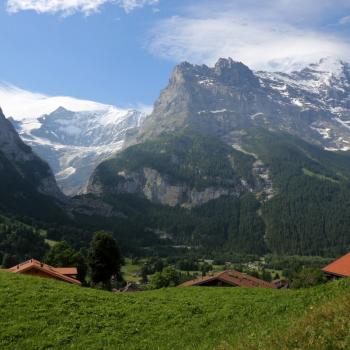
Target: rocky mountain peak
{"x":226,"y":71}
{"x":60,"y":109}
{"x":235,"y":73}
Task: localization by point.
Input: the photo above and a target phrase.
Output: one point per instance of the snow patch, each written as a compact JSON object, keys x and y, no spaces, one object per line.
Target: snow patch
{"x":256,"y":115}
{"x":325,"y":132}
{"x":342,"y":122}
{"x":219,"y":111}
{"x":206,"y":82}
{"x":65,"y":173}
{"x":297,"y":102}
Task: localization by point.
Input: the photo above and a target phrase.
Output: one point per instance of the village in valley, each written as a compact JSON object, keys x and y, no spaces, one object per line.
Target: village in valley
{"x":145,"y":274}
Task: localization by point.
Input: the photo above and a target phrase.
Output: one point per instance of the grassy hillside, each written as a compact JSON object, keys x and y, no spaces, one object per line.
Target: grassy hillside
{"x":45,"y":314}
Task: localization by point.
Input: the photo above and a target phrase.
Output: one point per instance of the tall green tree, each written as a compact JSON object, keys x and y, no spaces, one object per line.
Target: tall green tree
{"x":104,"y":258}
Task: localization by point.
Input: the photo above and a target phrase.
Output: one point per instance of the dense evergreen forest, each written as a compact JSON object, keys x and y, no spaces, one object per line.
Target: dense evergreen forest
{"x":19,"y":242}
{"x":310,"y":214}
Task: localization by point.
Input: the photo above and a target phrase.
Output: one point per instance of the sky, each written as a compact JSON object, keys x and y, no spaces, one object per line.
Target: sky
{"x":122,"y":52}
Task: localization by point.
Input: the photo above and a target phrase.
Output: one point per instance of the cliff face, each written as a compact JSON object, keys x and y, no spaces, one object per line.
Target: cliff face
{"x":26,"y":163}
{"x":27,"y":184}
{"x":185,"y":169}
{"x":158,"y":189}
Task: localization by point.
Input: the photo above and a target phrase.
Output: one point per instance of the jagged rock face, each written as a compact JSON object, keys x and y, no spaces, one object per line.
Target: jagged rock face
{"x":312,"y":103}
{"x":209,"y":99}
{"x":159,"y":189}
{"x":21,"y":158}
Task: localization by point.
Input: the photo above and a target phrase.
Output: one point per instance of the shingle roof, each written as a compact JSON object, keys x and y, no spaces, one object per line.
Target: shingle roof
{"x":50,"y":270}
{"x":340,"y":267}
{"x":233,"y":277}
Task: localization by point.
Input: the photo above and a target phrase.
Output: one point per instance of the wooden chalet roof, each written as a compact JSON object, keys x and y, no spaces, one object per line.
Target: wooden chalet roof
{"x":59,"y":273}
{"x":232,"y":277}
{"x":340,"y":267}
{"x":68,"y":271}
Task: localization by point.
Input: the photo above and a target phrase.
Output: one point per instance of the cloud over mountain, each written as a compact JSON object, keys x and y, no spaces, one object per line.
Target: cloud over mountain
{"x":271,"y":36}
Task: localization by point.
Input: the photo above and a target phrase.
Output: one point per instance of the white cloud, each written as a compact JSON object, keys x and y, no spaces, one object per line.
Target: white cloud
{"x":344,"y":20}
{"x":264,"y":37}
{"x":25,"y":105}
{"x":21,"y":104}
{"x":68,"y":7}
{"x":130,"y":5}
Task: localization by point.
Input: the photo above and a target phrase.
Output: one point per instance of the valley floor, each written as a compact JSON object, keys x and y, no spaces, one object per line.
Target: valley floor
{"x":44,"y":314}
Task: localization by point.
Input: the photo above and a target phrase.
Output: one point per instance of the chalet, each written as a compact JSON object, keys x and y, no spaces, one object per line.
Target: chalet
{"x":36,"y":268}
{"x":339,"y":268}
{"x":228,"y":278}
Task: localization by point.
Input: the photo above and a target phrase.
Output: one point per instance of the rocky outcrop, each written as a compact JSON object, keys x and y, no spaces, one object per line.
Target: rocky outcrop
{"x":159,"y":189}
{"x":90,"y":206}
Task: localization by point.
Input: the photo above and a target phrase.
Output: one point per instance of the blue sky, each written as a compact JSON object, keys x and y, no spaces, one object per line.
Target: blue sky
{"x":122,"y":51}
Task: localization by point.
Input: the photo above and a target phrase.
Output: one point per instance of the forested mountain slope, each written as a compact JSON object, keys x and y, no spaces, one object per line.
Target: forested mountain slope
{"x":222,"y":136}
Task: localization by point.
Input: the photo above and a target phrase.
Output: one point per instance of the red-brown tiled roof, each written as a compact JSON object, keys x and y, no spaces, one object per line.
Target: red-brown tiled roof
{"x":340,"y":267}
{"x":232,"y":277}
{"x":50,"y":270}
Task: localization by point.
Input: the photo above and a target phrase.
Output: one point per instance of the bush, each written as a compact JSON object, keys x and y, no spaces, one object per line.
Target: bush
{"x":308,"y":277}
{"x":169,"y":277}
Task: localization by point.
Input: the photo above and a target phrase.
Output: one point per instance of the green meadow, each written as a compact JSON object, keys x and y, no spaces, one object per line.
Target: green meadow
{"x":44,"y":314}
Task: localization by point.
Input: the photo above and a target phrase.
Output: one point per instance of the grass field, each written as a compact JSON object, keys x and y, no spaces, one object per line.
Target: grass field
{"x":45,"y":314}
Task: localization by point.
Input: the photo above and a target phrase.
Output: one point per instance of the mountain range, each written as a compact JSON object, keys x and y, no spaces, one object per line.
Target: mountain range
{"x":229,"y":159}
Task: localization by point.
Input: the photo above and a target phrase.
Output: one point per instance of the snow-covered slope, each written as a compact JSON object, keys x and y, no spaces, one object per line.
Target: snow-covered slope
{"x":323,"y":89}
{"x":72,"y":135}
